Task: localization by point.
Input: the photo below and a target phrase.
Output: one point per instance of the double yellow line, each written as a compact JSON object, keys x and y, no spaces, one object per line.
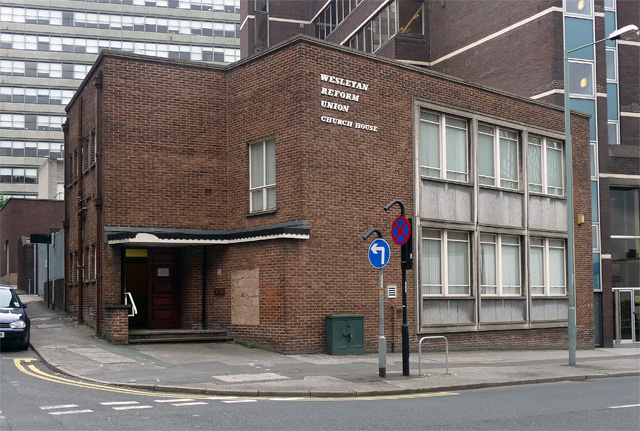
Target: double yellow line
{"x":31,"y":370}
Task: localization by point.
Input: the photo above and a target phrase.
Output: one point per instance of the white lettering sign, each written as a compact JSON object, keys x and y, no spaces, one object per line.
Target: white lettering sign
{"x":346,"y":96}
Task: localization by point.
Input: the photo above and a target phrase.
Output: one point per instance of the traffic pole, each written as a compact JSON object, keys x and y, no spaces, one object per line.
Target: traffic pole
{"x":382,"y":341}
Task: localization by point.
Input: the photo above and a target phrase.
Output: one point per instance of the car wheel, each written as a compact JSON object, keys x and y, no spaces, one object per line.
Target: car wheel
{"x":25,"y":346}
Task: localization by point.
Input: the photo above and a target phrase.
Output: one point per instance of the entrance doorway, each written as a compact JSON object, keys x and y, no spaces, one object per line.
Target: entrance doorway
{"x":627,"y":316}
{"x":151,"y":277}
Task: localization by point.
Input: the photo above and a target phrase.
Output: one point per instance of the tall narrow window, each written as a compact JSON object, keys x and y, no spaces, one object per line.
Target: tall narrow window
{"x":443,"y":147}
{"x":498,"y":158}
{"x":445,"y":264}
{"x":547,"y":271}
{"x":545,"y":162}
{"x":262,"y":161}
{"x":500,"y":265}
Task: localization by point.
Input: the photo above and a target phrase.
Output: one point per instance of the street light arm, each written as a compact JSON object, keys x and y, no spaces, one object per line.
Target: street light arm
{"x":394,"y":202}
{"x":625,"y":33}
{"x":371,"y":232}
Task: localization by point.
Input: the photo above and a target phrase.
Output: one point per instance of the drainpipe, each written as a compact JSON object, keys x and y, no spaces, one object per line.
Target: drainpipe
{"x":98,"y":201}
{"x":204,"y":287}
{"x":65,"y":223}
{"x":79,"y":207}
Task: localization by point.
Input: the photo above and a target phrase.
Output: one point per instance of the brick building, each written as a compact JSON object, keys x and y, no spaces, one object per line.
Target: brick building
{"x":20,"y":218}
{"x":236,"y":197}
{"x":515,"y":46}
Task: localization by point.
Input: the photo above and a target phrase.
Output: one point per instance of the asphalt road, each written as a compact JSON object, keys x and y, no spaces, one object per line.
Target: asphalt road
{"x":34,"y":398}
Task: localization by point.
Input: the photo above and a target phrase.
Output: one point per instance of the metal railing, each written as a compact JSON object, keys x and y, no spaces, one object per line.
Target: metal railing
{"x":420,"y":351}
{"x":128,"y":297}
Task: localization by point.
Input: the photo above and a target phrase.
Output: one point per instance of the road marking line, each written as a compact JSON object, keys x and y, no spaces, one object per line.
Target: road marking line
{"x":625,"y":407}
{"x":286,"y":399}
{"x":71,"y":412}
{"x":132,"y":407}
{"x":221,"y":398}
{"x":66,"y":406}
{"x":240,"y":401}
{"x":119,"y":403}
{"x":176,"y":400}
{"x":195,"y":403}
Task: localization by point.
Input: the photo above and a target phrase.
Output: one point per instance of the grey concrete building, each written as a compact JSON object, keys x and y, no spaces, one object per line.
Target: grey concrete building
{"x":48,"y":46}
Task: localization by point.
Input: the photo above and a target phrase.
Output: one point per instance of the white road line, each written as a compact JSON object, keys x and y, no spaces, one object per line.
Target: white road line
{"x":221,"y":398}
{"x":66,"y":406}
{"x":177,"y":400}
{"x":625,"y":407}
{"x":119,"y":403}
{"x":132,"y":407}
{"x":71,"y":412}
{"x":240,"y":401}
{"x":286,"y":399}
{"x":196,"y":403}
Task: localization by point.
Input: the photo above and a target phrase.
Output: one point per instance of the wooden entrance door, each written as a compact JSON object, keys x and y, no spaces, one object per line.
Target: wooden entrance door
{"x":164,"y":289}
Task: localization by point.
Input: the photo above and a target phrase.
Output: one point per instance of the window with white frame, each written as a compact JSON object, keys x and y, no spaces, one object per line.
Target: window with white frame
{"x":498,"y":157}
{"x":443,"y":146}
{"x":445,"y":265}
{"x":547,"y":267}
{"x":262,"y":173}
{"x":546,"y":172}
{"x":500,"y":265}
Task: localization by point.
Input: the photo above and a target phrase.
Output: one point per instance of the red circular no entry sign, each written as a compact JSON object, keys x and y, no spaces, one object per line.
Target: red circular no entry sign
{"x":401,"y":230}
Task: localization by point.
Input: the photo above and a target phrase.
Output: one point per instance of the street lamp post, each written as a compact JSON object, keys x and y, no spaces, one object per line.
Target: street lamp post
{"x":624,"y":33}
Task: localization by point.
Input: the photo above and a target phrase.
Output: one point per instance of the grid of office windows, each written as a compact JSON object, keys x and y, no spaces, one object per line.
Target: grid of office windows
{"x":149,"y":24}
{"x":18,"y":175}
{"x":41,"y":96}
{"x":332,"y":15}
{"x":228,"y":6}
{"x":32,"y":122}
{"x":32,"y":149}
{"x":43,"y":69}
{"x":94,"y":46}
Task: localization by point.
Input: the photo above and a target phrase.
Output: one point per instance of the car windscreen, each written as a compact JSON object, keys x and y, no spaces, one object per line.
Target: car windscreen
{"x":9,"y":299}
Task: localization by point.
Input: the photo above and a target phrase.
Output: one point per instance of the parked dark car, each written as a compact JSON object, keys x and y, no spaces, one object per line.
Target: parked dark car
{"x":15,"y":326}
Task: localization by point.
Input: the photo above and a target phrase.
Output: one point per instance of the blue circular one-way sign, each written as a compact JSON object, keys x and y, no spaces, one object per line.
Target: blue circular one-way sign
{"x":379,"y":253}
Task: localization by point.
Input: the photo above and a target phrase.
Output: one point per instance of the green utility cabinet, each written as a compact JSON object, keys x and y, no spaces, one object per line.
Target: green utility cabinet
{"x":345,"y":334}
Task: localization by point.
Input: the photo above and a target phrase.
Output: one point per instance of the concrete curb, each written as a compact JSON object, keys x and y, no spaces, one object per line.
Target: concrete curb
{"x":334,"y":394}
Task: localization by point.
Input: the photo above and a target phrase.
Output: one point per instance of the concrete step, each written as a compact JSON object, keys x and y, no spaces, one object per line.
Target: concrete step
{"x":137,"y":336}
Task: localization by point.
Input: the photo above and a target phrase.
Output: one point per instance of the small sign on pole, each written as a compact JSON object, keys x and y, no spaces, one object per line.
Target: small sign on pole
{"x":379,"y":253}
{"x":401,"y":230}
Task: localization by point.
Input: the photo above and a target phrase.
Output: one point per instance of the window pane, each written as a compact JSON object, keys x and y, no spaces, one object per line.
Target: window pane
{"x":488,"y":277}
{"x":485,"y":155}
{"x":556,"y":271}
{"x":456,"y":150}
{"x":611,"y":65}
{"x":625,"y":210}
{"x":536,"y":270}
{"x":257,"y":164}
{"x":256,"y":200}
{"x":580,"y":7}
{"x":271,"y":162}
{"x":596,"y":272}
{"x":431,"y":266}
{"x":594,"y":201}
{"x":554,"y":171}
{"x":430,"y":147}
{"x":510,"y":269}
{"x":508,"y":159}
{"x":458,"y":266}
{"x":581,"y":78}
{"x":271,"y":198}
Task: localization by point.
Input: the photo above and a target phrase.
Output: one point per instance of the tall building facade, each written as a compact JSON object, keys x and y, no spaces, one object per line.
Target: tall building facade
{"x":516,"y":46}
{"x":48,"y":46}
